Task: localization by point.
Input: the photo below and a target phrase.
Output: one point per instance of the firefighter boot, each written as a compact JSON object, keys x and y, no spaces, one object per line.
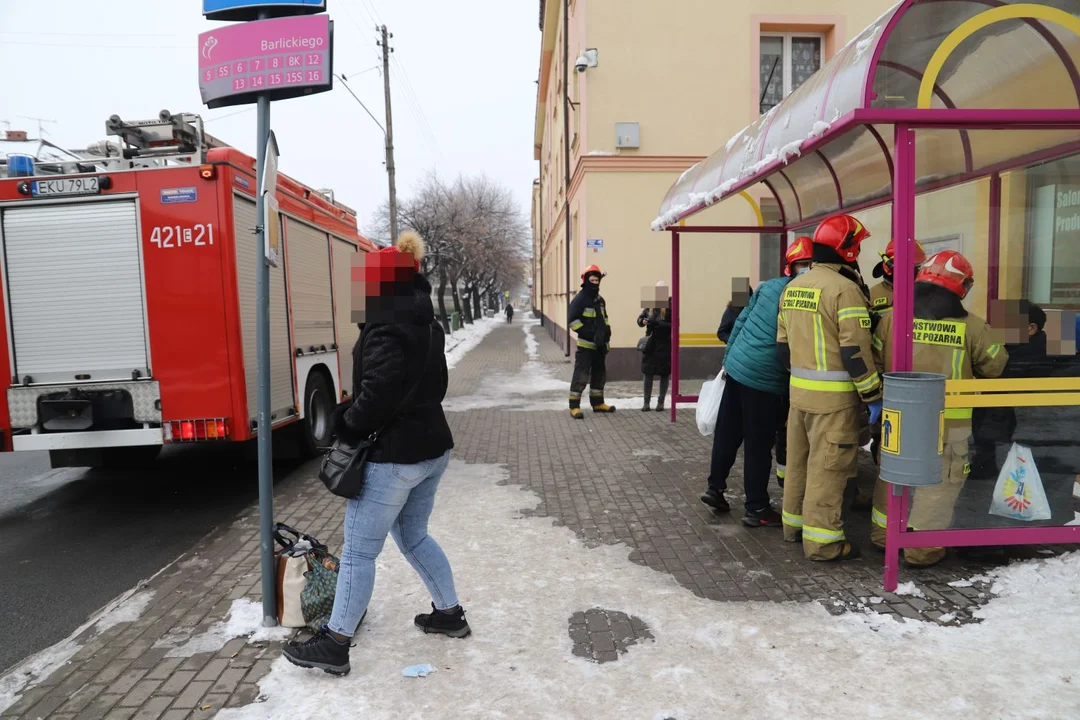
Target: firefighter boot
{"x":575,"y":405}
{"x":596,"y":398}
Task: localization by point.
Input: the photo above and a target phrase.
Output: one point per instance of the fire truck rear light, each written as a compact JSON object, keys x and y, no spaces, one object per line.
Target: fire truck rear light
{"x":196,"y":430}
{"x":207,"y":172}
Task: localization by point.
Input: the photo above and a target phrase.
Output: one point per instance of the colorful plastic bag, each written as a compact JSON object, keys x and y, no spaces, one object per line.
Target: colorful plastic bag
{"x":708,"y":406}
{"x":1019,"y":493}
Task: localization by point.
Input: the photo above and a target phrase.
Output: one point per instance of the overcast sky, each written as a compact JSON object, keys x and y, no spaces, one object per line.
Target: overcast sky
{"x":471,"y":66}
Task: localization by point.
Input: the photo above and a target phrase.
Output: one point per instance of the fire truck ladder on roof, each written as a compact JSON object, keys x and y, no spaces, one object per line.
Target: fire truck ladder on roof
{"x":149,"y":143}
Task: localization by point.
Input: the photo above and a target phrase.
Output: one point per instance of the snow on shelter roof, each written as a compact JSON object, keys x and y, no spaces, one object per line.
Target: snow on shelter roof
{"x":820,"y":150}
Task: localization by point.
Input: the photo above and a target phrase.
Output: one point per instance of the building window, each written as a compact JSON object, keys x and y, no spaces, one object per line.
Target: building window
{"x":786,"y":62}
{"x":1052,"y":268}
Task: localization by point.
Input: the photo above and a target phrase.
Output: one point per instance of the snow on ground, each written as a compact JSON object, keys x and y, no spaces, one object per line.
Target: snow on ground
{"x":129,"y":607}
{"x":532,"y":347}
{"x":521,"y":578}
{"x":468,"y":337}
{"x":244,"y":620}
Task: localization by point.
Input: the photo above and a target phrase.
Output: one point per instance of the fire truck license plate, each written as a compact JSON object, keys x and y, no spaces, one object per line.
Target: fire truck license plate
{"x":65,"y":186}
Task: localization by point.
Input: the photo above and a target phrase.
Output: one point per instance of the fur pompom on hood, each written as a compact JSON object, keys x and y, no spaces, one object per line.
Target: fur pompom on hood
{"x":409,"y":241}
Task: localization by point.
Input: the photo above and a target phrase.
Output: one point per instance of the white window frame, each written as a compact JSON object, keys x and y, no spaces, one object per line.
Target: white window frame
{"x":786,"y":60}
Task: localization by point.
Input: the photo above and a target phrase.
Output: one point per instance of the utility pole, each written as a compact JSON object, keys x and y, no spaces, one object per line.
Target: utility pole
{"x":390,"y":172}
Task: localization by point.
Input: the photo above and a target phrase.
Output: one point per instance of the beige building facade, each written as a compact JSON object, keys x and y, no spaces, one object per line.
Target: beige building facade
{"x":660,"y":86}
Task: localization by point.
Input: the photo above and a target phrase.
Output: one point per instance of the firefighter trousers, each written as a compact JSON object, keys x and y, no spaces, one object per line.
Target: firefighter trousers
{"x":590,"y":368}
{"x":932,"y":506}
{"x":822,"y":455}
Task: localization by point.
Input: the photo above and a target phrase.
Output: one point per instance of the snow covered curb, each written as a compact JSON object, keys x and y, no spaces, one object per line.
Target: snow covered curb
{"x":127,"y":607}
{"x":468,"y":337}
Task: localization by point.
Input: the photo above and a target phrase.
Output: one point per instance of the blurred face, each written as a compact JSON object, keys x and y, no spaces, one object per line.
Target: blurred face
{"x":740,"y":291}
{"x":654,"y":297}
{"x":594,"y":279}
{"x":382,"y":287}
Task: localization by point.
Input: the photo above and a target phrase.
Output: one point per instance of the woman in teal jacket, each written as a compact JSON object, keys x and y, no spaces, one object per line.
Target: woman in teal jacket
{"x":753,"y":407}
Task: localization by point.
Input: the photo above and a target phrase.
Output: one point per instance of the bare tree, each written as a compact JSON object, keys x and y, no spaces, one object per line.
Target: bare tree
{"x":477,"y":239}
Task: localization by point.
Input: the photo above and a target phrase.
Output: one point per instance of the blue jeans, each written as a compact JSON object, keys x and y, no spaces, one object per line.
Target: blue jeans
{"x":396,"y":499}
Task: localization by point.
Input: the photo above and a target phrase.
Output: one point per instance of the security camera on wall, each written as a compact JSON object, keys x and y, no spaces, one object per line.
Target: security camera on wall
{"x":587,"y":59}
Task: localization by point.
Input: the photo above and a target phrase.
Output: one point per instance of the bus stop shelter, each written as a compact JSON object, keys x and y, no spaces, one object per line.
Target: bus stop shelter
{"x":932,"y":96}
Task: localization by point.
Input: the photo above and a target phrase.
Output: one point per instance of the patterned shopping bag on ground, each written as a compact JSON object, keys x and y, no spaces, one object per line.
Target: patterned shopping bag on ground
{"x":1019,"y":492}
{"x":317,"y":598}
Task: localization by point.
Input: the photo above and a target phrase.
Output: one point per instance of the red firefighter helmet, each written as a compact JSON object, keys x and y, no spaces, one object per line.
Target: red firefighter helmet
{"x":888,"y":259}
{"x":592,"y":270}
{"x":801,"y":250}
{"x":842,"y":233}
{"x":950,"y":270}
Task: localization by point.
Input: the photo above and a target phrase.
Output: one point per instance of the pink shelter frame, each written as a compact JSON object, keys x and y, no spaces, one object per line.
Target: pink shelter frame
{"x":717,"y":179}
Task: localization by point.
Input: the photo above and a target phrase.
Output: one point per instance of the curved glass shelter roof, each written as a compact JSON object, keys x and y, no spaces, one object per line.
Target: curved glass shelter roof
{"x":828,"y":145}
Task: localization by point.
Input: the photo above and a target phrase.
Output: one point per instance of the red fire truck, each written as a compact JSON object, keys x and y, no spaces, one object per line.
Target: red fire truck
{"x":128,"y":287}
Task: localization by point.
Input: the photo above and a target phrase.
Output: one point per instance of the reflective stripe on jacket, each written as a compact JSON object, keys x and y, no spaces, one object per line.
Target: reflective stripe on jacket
{"x":824,"y":328}
{"x":957,"y":348}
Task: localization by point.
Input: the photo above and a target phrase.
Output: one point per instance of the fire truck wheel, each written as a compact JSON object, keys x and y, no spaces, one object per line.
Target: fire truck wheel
{"x":316,"y":429}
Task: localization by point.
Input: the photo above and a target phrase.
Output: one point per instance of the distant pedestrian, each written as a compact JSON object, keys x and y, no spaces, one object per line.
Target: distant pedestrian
{"x":656,"y":352}
{"x":509,"y":313}
{"x":404,"y":466}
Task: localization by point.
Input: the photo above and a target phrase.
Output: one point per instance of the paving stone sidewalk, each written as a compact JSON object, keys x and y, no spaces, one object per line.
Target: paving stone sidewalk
{"x":629,"y":478}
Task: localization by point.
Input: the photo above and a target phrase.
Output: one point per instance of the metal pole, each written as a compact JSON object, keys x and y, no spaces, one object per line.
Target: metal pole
{"x":390,"y":170}
{"x":262,"y":345}
{"x":903,"y":312}
{"x":675,"y":306}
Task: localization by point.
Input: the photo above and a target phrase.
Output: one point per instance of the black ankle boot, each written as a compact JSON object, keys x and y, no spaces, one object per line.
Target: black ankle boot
{"x":321,"y":652}
{"x":452,"y":624}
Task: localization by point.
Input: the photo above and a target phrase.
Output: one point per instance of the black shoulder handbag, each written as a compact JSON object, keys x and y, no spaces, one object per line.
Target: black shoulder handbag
{"x":342,"y":470}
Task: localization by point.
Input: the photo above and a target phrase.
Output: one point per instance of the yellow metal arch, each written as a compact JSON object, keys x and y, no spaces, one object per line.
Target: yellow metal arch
{"x":1024,"y":11}
{"x":754,"y":204}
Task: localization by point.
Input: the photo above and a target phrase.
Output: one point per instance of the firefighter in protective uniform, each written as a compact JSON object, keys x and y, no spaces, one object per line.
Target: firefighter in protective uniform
{"x":824,"y":337}
{"x":881,"y":295}
{"x":589,"y":319}
{"x":946,"y":339}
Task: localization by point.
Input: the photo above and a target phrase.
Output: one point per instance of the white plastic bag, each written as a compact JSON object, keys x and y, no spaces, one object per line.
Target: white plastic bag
{"x":292,"y":585}
{"x":708,"y":406}
{"x":1019,"y":492}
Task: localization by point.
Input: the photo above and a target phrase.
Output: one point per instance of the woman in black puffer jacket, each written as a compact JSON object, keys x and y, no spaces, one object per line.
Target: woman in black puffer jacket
{"x":400,"y":346}
{"x":656,"y":357}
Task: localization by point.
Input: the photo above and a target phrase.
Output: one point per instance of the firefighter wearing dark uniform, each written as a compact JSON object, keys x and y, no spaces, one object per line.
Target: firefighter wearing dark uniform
{"x":589,"y":319}
{"x":947,"y":340}
{"x":824,"y":336}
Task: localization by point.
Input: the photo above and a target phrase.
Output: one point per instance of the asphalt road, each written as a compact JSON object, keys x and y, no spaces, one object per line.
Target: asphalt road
{"x":71,"y":540}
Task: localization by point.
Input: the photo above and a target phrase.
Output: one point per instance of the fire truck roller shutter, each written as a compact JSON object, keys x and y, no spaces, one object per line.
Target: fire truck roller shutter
{"x":308,"y":253}
{"x":348,"y":333}
{"x":282,"y":399}
{"x":75,"y":291}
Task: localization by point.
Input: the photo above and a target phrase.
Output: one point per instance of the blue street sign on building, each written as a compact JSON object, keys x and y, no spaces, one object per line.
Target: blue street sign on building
{"x":244,"y":10}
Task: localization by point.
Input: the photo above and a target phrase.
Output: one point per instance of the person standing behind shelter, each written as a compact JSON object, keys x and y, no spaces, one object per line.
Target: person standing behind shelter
{"x":656,"y":356}
{"x":950,"y":341}
{"x":823,"y":337}
{"x":741,"y":292}
{"x":752,"y":406}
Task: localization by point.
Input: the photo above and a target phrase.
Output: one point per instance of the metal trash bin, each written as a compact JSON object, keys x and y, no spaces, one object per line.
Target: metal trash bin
{"x":455,"y":321}
{"x":912,"y":428}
